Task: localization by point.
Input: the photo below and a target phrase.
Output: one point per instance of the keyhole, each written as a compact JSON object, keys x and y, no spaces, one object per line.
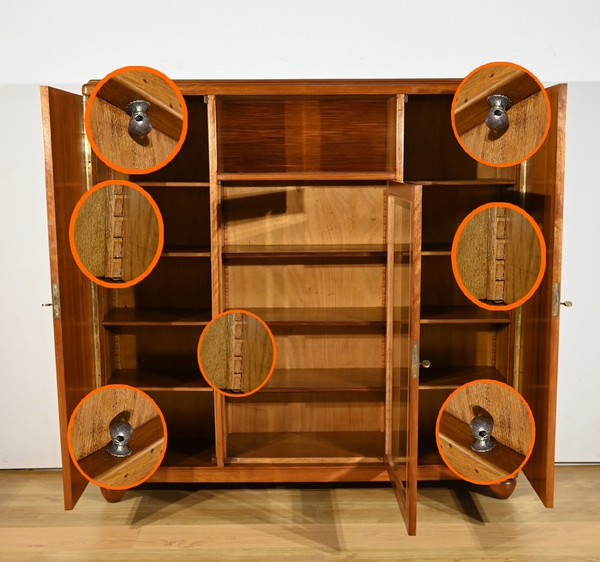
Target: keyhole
{"x":498,"y":112}
{"x":120,"y":438}
{"x":482,"y":433}
{"x":139,"y":117}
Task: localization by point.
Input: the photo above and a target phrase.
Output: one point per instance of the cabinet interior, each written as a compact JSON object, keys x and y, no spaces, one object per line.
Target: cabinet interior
{"x":300,"y":238}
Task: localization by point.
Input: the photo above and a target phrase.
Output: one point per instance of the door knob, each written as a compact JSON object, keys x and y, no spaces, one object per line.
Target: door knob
{"x":567,"y":304}
{"x":481,"y":428}
{"x":497,"y":118}
{"x":139,"y":124}
{"x":425,"y":363}
{"x":120,"y":433}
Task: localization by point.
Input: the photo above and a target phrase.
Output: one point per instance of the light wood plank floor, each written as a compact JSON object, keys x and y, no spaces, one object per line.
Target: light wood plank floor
{"x":298,"y":523}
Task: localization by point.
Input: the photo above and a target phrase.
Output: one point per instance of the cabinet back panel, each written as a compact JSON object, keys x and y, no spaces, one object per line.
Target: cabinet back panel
{"x":186,"y":215}
{"x":438,"y":285}
{"x":306,"y":412}
{"x":304,"y":215}
{"x":324,"y":348}
{"x":189,"y":415}
{"x":182,"y":283}
{"x":191,"y":162}
{"x":458,"y":345}
{"x":158,"y":349}
{"x":430,"y":402}
{"x":444,"y":208}
{"x":304,"y":285}
{"x":306,"y":134}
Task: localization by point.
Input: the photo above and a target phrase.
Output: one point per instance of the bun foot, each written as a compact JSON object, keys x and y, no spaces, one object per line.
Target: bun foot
{"x":112,"y":496}
{"x":503,"y":490}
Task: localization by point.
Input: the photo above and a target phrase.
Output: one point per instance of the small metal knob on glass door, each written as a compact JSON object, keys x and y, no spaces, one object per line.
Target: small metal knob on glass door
{"x":139,"y":124}
{"x":425,"y":363}
{"x":567,"y":304}
{"x":120,"y":433}
{"x":497,"y":118}
{"x":481,"y":428}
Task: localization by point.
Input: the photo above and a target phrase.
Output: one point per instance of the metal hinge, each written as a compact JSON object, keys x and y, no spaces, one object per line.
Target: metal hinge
{"x":414,"y":370}
{"x":55,"y":301}
{"x":555,"y":299}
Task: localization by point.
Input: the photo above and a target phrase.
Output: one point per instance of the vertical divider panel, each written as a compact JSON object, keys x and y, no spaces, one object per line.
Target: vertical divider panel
{"x":399,"y":128}
{"x":216,"y":245}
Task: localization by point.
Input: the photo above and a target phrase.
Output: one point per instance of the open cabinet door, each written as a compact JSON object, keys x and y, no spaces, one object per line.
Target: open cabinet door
{"x":540,"y":314}
{"x":64,"y":136}
{"x":403,"y":297}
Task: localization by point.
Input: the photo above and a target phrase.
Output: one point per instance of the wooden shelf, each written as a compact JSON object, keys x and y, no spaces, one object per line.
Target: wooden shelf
{"x":326,"y":380}
{"x":373,"y":316}
{"x":309,"y":447}
{"x":186,"y":252}
{"x":152,"y":380}
{"x":182,"y":453}
{"x":164,"y":317}
{"x":436,"y":250}
{"x":173,"y":183}
{"x":466,"y":182}
{"x":308,"y":250}
{"x":302,"y":176}
{"x":462,"y":315}
{"x":453,"y":377}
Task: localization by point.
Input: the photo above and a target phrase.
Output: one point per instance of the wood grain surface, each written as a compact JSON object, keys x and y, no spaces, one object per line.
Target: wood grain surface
{"x":528,"y":115}
{"x":64,"y":152}
{"x":90,"y":428}
{"x":512,"y":423}
{"x":299,"y":523}
{"x":455,"y":439}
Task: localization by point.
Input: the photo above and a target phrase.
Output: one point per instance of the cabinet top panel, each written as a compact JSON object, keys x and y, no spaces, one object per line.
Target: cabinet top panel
{"x":303,"y":87}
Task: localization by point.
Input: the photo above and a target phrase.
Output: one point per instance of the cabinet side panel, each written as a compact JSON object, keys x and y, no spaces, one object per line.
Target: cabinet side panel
{"x":62,"y":115}
{"x":539,"y":344}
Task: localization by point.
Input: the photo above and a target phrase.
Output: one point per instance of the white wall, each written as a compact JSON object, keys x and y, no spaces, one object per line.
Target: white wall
{"x":71,"y":43}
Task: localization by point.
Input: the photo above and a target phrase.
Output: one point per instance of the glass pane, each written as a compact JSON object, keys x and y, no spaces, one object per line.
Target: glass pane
{"x":401,"y":356}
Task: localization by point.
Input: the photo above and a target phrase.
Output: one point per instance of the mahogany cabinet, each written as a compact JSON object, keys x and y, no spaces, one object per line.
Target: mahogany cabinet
{"x":328,"y":208}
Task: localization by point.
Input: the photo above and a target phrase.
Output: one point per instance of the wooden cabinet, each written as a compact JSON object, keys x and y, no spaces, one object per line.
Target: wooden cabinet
{"x":327,"y":208}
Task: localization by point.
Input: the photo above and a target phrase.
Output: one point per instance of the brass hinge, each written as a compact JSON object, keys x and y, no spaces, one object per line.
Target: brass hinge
{"x":555,"y":299}
{"x":55,"y":301}
{"x":414,"y":369}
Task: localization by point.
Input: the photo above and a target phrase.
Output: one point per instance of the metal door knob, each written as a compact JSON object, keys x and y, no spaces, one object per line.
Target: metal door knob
{"x":481,"y":428}
{"x":120,"y":433}
{"x":568,"y":304}
{"x":139,"y":124}
{"x":497,"y":118}
{"x":425,"y":363}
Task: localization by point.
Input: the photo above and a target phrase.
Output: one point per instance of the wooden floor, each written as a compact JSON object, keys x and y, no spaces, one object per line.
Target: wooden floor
{"x":298,"y":523}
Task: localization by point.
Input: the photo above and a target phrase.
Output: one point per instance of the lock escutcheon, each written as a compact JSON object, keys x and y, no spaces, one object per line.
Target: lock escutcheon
{"x":497,"y":118}
{"x":139,"y":124}
{"x":481,"y":428}
{"x":120,"y":433}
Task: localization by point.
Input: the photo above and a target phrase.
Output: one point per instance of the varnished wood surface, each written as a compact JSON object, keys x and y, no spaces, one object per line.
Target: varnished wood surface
{"x":455,"y":439}
{"x":303,"y":87}
{"x":146,"y":445}
{"x":539,"y":341}
{"x":62,"y":120}
{"x":299,"y":523}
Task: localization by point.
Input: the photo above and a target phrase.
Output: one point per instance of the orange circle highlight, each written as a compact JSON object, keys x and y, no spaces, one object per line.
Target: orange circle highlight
{"x":548,"y":109}
{"x":437,"y":433}
{"x":159,"y":248}
{"x":70,"y":445}
{"x":540,"y":275}
{"x":271,"y":369}
{"x":88,"y":129}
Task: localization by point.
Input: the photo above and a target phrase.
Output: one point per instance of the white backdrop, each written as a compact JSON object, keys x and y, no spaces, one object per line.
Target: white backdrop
{"x":66,"y":45}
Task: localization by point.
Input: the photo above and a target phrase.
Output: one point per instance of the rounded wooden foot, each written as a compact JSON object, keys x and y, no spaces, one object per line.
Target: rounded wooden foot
{"x":503,"y":490}
{"x":112,"y":496}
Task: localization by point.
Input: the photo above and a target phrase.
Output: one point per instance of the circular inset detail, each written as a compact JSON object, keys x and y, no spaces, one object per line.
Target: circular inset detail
{"x":236,"y":353}
{"x":116,"y":234}
{"x":136,"y":120}
{"x":117,"y":436}
{"x":500,"y":114}
{"x":485,"y":432}
{"x":498,"y":256}
{"x":139,"y":124}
